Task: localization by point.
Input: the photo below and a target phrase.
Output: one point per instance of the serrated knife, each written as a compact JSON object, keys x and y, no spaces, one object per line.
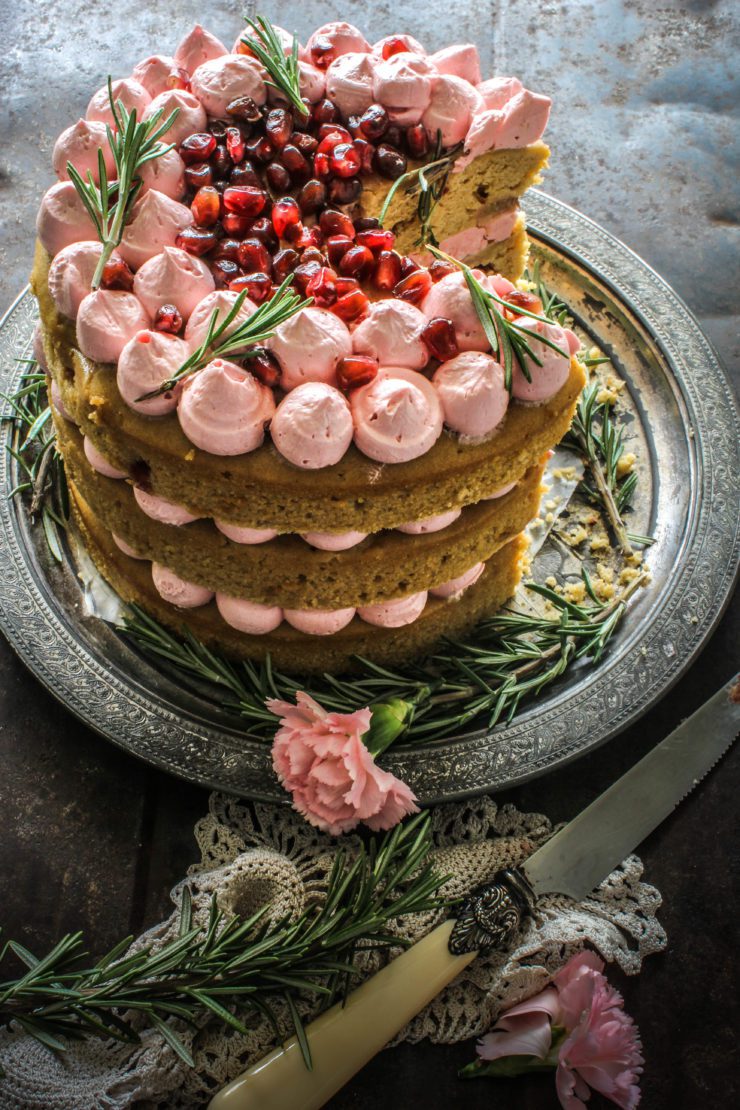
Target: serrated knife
{"x":573,"y":862}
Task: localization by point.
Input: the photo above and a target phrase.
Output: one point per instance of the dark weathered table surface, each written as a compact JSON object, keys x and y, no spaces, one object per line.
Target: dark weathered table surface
{"x":642,"y":136}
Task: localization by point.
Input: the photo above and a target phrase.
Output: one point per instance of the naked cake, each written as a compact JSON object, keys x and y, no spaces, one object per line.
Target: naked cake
{"x":282,"y":419}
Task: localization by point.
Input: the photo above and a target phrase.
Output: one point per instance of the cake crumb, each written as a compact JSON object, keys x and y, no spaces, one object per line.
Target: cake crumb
{"x":626,"y":464}
{"x":575,"y":592}
{"x":551,"y":581}
{"x":190,"y":455}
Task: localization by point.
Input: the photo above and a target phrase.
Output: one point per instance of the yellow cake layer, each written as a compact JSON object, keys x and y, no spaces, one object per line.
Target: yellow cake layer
{"x":287,"y":571}
{"x":295,"y":651}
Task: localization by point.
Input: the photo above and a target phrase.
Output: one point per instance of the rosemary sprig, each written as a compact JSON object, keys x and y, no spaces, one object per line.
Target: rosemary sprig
{"x":109,"y":204}
{"x":33,"y":447}
{"x":429,"y":182}
{"x":256,"y":329}
{"x":282,"y":67}
{"x":231,"y":969}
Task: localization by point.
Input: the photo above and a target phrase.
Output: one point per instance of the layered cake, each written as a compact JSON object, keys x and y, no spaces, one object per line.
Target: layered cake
{"x":285,"y":423}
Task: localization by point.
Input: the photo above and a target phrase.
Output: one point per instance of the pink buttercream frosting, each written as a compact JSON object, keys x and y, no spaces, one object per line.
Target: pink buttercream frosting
{"x":166,"y":174}
{"x":311,"y":81}
{"x":334,"y":541}
{"x":62,"y":218}
{"x":71,"y":273}
{"x":413,"y":46}
{"x":451,"y":108}
{"x":456,"y":587}
{"x":155,"y":73}
{"x":285,"y":37}
{"x":126,"y":548}
{"x":191,"y":116}
{"x":79,"y":144}
{"x":217,"y":82}
{"x":319,"y":622}
{"x":552,"y":375}
{"x":459,"y":60}
{"x":500,"y":492}
{"x":222,"y":300}
{"x":38,"y":350}
{"x":498,"y":90}
{"x":340,"y":38}
{"x":131,"y":94}
{"x":156,"y":222}
{"x":519,"y":122}
{"x":405,"y":82}
{"x":451,"y":299}
{"x":173,"y":277}
{"x":161,"y":510}
{"x":98,"y":461}
{"x":309,"y":346}
{"x":312,"y":426}
{"x":58,"y":402}
{"x":473,"y":240}
{"x":248,"y":616}
{"x":349,"y":83}
{"x":224,"y":409}
{"x":391,"y":333}
{"x":430,"y":523}
{"x":394,"y":614}
{"x":397,"y":416}
{"x":177,"y":591}
{"x":197,"y":47}
{"x":472,"y":391}
{"x":147,"y":360}
{"x":106,"y":320}
{"x":237,"y":534}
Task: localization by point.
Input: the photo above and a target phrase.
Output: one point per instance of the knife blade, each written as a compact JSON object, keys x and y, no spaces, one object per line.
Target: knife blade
{"x":574,"y":861}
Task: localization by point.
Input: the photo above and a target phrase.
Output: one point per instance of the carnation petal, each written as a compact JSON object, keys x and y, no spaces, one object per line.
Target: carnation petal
{"x":529,"y":1035}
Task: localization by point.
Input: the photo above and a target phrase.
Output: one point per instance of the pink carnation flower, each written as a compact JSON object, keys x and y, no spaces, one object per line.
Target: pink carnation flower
{"x":320,"y":758}
{"x":601,"y":1046}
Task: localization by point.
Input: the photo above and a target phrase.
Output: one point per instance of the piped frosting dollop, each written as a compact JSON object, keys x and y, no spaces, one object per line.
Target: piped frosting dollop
{"x":312,"y":426}
{"x":224,"y":409}
{"x":397,"y":416}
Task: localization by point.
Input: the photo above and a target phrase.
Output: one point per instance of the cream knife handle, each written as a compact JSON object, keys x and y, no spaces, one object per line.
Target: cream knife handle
{"x":343,"y":1039}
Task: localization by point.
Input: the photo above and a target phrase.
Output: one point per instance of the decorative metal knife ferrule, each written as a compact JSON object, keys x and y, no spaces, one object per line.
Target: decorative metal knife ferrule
{"x":493,"y":913}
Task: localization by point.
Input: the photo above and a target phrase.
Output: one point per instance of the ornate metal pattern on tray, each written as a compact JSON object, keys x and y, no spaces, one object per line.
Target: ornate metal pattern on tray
{"x":690,"y":432}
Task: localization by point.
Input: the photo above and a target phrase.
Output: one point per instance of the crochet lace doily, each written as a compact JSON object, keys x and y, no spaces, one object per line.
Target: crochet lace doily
{"x":253,"y":854}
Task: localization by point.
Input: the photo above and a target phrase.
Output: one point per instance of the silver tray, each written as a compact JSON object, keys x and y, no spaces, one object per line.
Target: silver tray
{"x":684,"y":422}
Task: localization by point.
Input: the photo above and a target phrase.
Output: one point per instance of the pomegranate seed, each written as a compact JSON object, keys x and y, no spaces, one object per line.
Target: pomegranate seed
{"x":351,"y":306}
{"x":366,"y":153}
{"x":197,"y":240}
{"x":330,"y":134}
{"x":356,"y":261}
{"x":394,"y":136}
{"x":387,"y":272}
{"x":117,"y":274}
{"x":264,"y":366}
{"x":296,"y":234}
{"x":413,"y":288}
{"x":417,"y":140}
{"x":254,"y":257}
{"x":304,"y":142}
{"x":244,"y":108}
{"x":284,"y":262}
{"x":285,"y":214}
{"x":295,"y":163}
{"x":394,"y":45}
{"x":225,"y":270}
{"x":323,"y":287}
{"x":263,"y":230}
{"x":313,"y":254}
{"x":199,"y":174}
{"x":321,"y":165}
{"x":278,"y":127}
{"x":218,"y":129}
{"x":376,"y":239}
{"x":312,"y":197}
{"x":344,"y":190}
{"x":346,"y":285}
{"x":242,"y":48}
{"x":337,"y":246}
{"x":258,"y":286}
{"x":307,"y":237}
{"x":365,"y":223}
{"x":439,"y":269}
{"x":440,"y":339}
{"x":244,"y":200}
{"x":227,"y":248}
{"x":323,"y":54}
{"x":245,"y":174}
{"x":353,"y":126}
{"x":408,"y":266}
{"x":374,"y":122}
{"x":355,"y":371}
{"x":206,"y":206}
{"x":333,"y":222}
{"x":389,"y":162}
{"x":235,"y":144}
{"x":168,"y":319}
{"x":303,"y":274}
{"x":221,"y":161}
{"x":519,"y":299}
{"x":235,"y":225}
{"x":178,"y":78}
{"x":278,"y":178}
{"x":302,"y":120}
{"x":197,"y":147}
{"x":261,"y":149}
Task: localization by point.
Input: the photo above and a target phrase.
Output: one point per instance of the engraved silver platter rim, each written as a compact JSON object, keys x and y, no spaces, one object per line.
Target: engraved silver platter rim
{"x":689,"y":422}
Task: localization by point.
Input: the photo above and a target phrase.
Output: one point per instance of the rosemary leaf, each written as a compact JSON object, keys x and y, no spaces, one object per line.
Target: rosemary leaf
{"x":283,"y":68}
